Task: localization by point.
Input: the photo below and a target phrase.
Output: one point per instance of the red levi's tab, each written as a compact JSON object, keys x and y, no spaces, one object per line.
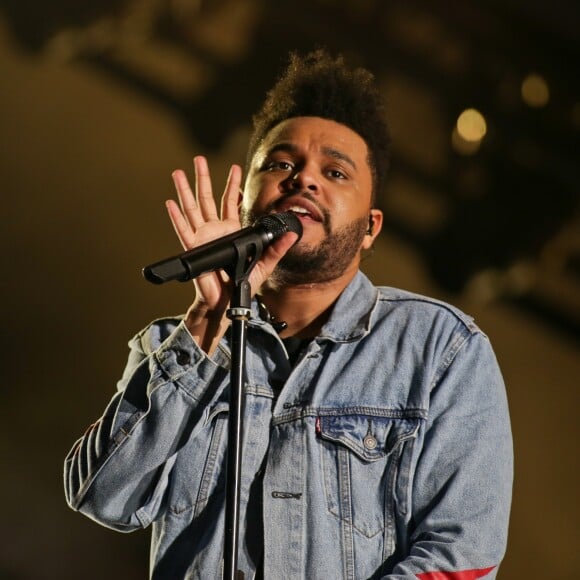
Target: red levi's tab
{"x":463,"y":575}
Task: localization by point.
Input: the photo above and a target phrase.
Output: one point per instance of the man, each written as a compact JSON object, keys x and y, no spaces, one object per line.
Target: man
{"x":376,"y":433}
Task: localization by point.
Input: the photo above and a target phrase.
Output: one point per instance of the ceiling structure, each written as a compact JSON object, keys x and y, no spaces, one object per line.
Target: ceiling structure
{"x":495,"y":216}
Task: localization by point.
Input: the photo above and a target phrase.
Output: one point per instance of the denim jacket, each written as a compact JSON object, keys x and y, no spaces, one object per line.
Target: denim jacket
{"x":385,"y":452}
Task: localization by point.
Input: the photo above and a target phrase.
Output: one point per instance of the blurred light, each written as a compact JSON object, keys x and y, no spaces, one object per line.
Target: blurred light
{"x":490,"y":284}
{"x":468,"y":132}
{"x":471,"y":125}
{"x":535,"y":91}
{"x":462,"y":146}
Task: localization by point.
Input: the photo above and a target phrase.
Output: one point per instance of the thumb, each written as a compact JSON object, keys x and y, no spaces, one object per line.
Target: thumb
{"x":270,"y":258}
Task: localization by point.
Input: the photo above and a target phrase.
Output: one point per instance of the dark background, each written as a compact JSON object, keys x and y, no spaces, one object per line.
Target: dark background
{"x":100,"y":101}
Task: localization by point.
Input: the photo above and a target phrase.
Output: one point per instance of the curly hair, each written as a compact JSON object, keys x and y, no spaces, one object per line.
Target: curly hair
{"x":318,"y":85}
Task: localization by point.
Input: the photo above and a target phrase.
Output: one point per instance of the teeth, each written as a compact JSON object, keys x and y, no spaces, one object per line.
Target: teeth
{"x":298,"y":209}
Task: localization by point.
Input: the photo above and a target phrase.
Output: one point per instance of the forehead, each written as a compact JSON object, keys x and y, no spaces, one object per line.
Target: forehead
{"x":315,"y":134}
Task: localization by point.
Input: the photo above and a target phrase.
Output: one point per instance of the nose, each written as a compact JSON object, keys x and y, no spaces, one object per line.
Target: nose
{"x":302,"y":179}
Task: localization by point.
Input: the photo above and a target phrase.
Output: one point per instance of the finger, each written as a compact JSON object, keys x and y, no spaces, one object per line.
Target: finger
{"x":212,"y":288}
{"x":181,"y":226}
{"x":203,"y":189}
{"x":273,"y":254}
{"x":232,"y":194}
{"x":187,"y":201}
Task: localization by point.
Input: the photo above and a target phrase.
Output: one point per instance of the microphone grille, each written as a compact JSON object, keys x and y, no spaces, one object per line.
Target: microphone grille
{"x":277,"y":224}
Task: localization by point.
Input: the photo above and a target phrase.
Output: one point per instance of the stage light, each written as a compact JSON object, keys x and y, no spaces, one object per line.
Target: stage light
{"x":471,"y":125}
{"x":535,"y":91}
{"x":468,"y":132}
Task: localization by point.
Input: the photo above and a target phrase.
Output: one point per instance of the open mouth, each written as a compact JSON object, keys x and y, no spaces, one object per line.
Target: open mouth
{"x":303,"y":209}
{"x":300,"y":212}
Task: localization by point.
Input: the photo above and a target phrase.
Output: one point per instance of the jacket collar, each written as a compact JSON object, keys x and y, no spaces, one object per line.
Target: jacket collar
{"x":350,"y":318}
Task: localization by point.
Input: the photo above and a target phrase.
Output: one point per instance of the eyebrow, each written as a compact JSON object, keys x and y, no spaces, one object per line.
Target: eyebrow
{"x":331,"y":152}
{"x":328,"y":151}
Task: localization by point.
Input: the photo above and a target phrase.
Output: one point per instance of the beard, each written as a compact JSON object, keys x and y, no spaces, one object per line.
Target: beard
{"x":315,"y":264}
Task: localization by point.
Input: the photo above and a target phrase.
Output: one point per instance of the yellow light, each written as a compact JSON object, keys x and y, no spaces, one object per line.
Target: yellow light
{"x":462,"y":146}
{"x":471,"y":126}
{"x":535,"y":91}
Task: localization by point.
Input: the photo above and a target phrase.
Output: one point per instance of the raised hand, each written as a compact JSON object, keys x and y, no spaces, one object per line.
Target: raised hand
{"x":196,"y":221}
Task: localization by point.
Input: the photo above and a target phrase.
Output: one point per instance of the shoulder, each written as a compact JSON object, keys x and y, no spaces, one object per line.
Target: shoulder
{"x":154,"y":334}
{"x":423,"y":309}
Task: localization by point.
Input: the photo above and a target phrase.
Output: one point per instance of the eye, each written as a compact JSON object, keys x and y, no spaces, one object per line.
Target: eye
{"x":278,"y":165}
{"x":336,"y":174}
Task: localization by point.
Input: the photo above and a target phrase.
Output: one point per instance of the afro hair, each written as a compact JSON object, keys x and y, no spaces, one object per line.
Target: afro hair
{"x":318,"y":85}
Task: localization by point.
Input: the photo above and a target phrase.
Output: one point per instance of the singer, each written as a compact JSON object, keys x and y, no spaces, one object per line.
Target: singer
{"x":376,"y":437}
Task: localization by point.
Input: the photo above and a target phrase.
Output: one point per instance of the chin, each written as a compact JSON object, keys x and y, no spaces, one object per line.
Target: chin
{"x":302,"y":248}
{"x":310,"y":239}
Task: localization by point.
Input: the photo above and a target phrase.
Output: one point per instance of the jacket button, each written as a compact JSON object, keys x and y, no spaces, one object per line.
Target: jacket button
{"x":183,"y":358}
{"x":370,"y":442}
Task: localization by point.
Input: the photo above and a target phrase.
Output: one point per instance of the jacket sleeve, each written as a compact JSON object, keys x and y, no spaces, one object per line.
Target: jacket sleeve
{"x":461,"y":490}
{"x":117,"y":472}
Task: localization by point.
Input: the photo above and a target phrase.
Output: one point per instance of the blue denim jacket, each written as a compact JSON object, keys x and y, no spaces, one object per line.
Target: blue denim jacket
{"x":386,"y":454}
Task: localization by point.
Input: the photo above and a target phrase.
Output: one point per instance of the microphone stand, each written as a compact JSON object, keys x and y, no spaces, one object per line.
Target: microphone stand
{"x":248,"y":250}
{"x":239,"y":313}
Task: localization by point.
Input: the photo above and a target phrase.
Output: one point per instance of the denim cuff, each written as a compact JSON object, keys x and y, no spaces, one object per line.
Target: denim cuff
{"x":182,"y":361}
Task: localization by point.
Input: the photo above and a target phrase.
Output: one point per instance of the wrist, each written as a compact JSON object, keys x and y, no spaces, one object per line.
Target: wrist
{"x":207,"y":326}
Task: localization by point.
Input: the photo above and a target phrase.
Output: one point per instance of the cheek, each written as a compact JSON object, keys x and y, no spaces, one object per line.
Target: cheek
{"x":348,"y":207}
{"x":250,"y":192}
{"x":258,"y":192}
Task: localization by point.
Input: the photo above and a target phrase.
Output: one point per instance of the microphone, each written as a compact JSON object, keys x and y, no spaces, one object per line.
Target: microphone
{"x":225,"y":251}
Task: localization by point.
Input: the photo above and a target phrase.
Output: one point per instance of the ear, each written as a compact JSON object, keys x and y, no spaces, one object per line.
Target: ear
{"x":375,"y":226}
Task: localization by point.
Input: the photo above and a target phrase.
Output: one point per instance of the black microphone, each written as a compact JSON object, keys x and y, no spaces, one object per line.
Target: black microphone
{"x":224,"y":251}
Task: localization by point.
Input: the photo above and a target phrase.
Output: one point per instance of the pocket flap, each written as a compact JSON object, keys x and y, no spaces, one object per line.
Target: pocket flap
{"x":370,"y":437}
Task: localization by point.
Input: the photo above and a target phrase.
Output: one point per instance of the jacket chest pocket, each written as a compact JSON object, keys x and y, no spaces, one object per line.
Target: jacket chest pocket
{"x":361,"y":458}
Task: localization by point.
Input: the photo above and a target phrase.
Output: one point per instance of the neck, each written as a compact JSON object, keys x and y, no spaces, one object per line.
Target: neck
{"x":304,"y":307}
